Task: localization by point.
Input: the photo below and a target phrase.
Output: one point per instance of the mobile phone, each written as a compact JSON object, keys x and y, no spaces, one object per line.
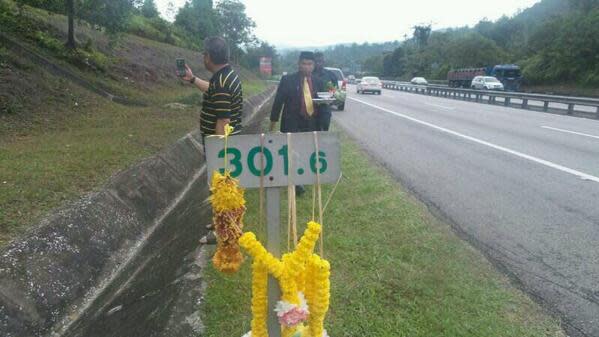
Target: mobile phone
{"x":181,"y":67}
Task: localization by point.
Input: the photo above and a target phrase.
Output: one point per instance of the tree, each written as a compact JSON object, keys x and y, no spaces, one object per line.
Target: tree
{"x":253,"y":53}
{"x":198,"y":19}
{"x":112,"y":15}
{"x":394,"y":63}
{"x":421,"y":35}
{"x":584,"y":5}
{"x":149,"y":9}
{"x":236,"y":26}
{"x":56,"y":6}
{"x":70,"y":4}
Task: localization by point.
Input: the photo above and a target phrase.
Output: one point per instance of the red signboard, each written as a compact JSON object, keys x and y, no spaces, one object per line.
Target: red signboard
{"x":266,"y":66}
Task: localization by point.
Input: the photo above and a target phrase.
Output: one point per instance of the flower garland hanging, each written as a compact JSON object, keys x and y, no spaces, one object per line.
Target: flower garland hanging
{"x":299,"y":272}
{"x":228,"y":207}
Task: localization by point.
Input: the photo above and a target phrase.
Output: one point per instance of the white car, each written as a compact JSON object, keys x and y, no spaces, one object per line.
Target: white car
{"x":419,"y":81}
{"x":370,"y":84}
{"x":486,"y":83}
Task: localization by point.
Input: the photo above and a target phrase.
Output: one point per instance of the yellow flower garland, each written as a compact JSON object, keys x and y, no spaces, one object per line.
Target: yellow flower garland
{"x":300,"y":270}
{"x":259,"y":299}
{"x":228,"y":206}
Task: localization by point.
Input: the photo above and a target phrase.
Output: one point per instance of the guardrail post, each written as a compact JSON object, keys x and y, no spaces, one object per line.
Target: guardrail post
{"x":598,"y":112}
{"x":570,"y":108}
{"x":524,"y":103}
{"x":506,"y":101}
{"x":546,"y":106}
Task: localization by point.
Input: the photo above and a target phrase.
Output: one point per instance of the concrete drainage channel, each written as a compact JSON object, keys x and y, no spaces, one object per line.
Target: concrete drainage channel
{"x":121,"y":262}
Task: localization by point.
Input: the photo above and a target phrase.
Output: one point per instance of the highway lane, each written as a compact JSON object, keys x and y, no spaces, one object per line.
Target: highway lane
{"x":521,"y":185}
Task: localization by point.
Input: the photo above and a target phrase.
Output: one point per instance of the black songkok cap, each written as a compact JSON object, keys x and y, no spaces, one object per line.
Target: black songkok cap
{"x":306,"y":55}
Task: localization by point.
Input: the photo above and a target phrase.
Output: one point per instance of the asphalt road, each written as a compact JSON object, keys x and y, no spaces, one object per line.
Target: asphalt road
{"x":522,"y":186}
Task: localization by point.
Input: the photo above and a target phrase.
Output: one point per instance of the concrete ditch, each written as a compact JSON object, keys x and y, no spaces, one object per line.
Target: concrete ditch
{"x":120,"y":262}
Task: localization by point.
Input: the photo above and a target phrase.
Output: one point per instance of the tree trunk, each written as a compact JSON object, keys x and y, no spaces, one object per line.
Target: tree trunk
{"x":71,"y":14}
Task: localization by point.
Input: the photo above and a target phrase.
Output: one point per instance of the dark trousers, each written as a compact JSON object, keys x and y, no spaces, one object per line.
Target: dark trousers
{"x":324,"y":121}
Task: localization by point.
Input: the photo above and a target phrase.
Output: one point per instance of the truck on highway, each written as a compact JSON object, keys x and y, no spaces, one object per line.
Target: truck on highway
{"x":508,"y":74}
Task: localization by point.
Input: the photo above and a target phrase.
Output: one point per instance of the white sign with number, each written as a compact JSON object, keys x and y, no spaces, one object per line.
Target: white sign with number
{"x":283,"y":159}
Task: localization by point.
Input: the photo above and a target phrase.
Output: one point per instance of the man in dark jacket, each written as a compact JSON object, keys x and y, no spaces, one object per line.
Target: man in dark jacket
{"x":293,"y":104}
{"x":326,"y":76}
{"x":294,"y":100}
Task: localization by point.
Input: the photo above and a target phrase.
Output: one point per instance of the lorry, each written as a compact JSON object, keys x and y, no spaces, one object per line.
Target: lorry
{"x":508,"y":74}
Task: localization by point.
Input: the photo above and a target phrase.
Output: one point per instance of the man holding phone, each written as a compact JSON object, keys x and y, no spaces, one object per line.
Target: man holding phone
{"x":223,"y":96}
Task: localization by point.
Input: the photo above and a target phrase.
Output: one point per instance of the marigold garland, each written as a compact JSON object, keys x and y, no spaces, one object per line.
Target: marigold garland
{"x":299,"y":272}
{"x":228,"y":206}
{"x":259,"y":299}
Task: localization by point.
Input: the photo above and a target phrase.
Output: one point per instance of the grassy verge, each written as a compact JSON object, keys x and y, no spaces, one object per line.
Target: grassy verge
{"x":396,"y":271}
{"x":79,"y":146}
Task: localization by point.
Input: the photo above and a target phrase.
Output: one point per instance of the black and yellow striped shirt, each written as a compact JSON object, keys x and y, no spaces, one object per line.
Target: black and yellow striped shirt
{"x":223,"y":100}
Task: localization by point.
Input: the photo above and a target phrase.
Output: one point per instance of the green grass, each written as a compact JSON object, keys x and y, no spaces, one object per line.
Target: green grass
{"x":253,"y":88}
{"x":396,"y":270}
{"x":78,"y":147}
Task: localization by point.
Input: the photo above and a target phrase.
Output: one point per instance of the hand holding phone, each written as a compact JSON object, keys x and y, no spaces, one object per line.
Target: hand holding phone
{"x":181,"y":67}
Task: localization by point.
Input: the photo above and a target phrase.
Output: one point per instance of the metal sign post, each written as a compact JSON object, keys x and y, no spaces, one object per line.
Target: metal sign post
{"x":252,"y":157}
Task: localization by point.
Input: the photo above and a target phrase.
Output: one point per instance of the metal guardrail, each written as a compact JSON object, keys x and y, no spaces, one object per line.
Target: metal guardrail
{"x":491,"y":96}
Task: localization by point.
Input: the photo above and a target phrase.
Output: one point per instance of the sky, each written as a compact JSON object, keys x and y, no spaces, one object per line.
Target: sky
{"x":315,"y":23}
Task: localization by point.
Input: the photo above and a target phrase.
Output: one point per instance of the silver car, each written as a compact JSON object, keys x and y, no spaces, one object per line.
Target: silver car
{"x":486,"y":83}
{"x":419,"y":81}
{"x":370,"y":84}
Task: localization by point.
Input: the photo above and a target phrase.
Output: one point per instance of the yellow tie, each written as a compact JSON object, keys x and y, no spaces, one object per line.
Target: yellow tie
{"x":308,"y":98}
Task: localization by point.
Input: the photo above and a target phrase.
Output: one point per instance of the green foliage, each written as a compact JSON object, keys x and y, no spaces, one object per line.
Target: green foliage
{"x":48,"y":41}
{"x":373,"y":65}
{"x":251,"y":58}
{"x":567,"y":49}
{"x":198,"y":19}
{"x":394,"y":64}
{"x":195,"y":21}
{"x":554,"y":41}
{"x":149,"y":9}
{"x":45,"y":37}
{"x":112,"y":15}
{"x":235,"y":25}
{"x":56,"y":6}
{"x":421,"y":35}
{"x":351,"y":58}
{"x":158,"y":29}
{"x":87,"y":59}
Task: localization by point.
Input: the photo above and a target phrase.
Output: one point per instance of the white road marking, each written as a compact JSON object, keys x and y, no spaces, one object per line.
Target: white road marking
{"x":572,"y":132}
{"x":582,"y":175}
{"x":440,"y":106}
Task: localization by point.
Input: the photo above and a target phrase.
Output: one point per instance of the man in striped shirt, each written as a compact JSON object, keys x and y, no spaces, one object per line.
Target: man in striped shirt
{"x":223,"y":96}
